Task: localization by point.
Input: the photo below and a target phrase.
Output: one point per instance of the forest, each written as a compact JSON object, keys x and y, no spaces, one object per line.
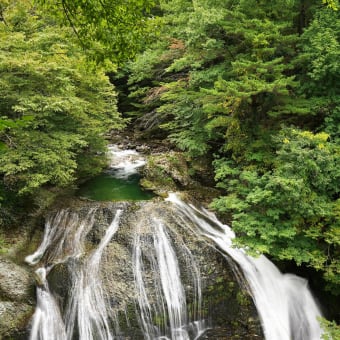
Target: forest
{"x":251,"y":87}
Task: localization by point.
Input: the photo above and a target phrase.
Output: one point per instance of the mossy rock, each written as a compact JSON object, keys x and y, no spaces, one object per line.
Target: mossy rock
{"x":14,"y":318}
{"x":16,"y":283}
{"x":174,"y":171}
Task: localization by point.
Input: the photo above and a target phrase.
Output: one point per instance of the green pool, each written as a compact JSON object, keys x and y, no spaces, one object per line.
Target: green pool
{"x":105,"y":187}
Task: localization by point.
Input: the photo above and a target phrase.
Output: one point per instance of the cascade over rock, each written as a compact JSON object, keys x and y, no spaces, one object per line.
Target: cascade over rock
{"x":284,"y":302}
{"x":157,"y":269}
{"x":150,"y":277}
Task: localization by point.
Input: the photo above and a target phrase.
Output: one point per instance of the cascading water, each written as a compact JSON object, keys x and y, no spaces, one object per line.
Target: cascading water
{"x":143,"y":245}
{"x":85,"y":312}
{"x":87,"y":304}
{"x":160,"y":299}
{"x":158,"y":253}
{"x":58,"y":244}
{"x":124,"y":163}
{"x":284,"y":302}
{"x":47,"y":319}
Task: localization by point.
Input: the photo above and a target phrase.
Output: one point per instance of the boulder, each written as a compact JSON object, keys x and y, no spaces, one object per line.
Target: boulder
{"x":15,"y":281}
{"x":14,"y":318}
{"x":16,"y":300}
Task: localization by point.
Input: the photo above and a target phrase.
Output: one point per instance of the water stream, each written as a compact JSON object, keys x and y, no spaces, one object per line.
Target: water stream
{"x":75,"y":243}
{"x":166,"y":287}
{"x":284,"y":302}
{"x":120,"y":181}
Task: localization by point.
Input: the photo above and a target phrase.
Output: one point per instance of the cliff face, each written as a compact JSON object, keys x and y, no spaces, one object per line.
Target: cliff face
{"x":224,"y":306}
{"x":211,"y":290}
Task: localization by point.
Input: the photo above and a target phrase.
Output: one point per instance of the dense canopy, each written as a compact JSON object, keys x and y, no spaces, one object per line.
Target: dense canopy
{"x":256,"y":85}
{"x":55,"y":104}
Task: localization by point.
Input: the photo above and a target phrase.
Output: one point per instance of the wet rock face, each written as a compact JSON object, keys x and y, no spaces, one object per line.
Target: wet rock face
{"x":15,"y":281}
{"x":172,"y":171}
{"x":14,"y":317}
{"x":225,"y":305}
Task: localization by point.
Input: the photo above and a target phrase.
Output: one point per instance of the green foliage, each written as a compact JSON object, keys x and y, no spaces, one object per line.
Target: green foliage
{"x":320,"y":54}
{"x":192,"y":135}
{"x":333,"y":4}
{"x":106,"y":29}
{"x":290,"y":210}
{"x":223,"y":61}
{"x":331,"y":330}
{"x":55,"y":106}
{"x":255,"y":84}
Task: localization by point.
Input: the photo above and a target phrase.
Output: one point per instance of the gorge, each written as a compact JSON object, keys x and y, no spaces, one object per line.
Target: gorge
{"x":150,"y":268}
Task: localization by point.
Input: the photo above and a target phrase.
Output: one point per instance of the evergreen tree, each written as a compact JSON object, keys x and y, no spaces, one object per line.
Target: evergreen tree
{"x":256,"y":83}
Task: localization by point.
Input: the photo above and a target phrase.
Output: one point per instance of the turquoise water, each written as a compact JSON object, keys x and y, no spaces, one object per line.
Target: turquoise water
{"x":105,"y":187}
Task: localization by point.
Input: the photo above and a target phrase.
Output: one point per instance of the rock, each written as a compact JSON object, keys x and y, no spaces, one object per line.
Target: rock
{"x":14,"y":317}
{"x":172,"y":171}
{"x":16,"y":300}
{"x":16,"y":282}
{"x":221,"y":306}
{"x":168,"y":168}
{"x":220,"y":290}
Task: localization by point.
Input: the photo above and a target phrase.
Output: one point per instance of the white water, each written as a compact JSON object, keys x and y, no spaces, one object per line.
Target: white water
{"x":285,"y":305}
{"x":63,"y":237}
{"x":171,"y":283}
{"x":47,"y":319}
{"x":63,"y":242}
{"x":124,"y":163}
{"x":53,"y":235}
{"x":87,"y":306}
{"x":170,"y":306}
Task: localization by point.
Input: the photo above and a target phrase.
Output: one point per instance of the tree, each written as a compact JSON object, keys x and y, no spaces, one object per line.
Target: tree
{"x":226,"y":63}
{"x":290,"y":211}
{"x":55,"y":105}
{"x":320,"y":52}
{"x":236,"y":80}
{"x":106,"y":29}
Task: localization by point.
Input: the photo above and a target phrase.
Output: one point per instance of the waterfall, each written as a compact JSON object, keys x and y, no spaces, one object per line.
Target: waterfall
{"x":63,"y":242}
{"x":47,"y":319}
{"x":137,"y":261}
{"x":284,"y":303}
{"x":160,"y":261}
{"x":124,"y":163}
{"x":169,"y":308}
{"x":161,"y":301}
{"x":87,"y":305}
